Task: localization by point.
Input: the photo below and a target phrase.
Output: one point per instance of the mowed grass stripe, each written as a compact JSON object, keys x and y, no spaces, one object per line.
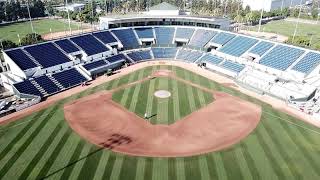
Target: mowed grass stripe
{"x":175,"y":97}
{"x":180,"y":170}
{"x":134,"y":98}
{"x":260,"y":158}
{"x":281,"y":165}
{"x":190,"y":96}
{"x":126,"y":92}
{"x":162,"y":114}
{"x":109,"y":166}
{"x":128,"y":168}
{"x":116,"y":169}
{"x":192,"y":168}
{"x":160,"y":169}
{"x":204,"y":171}
{"x":231,"y":164}
{"x":254,"y":172}
{"x":140,"y":170}
{"x":15,"y":155}
{"x":101,"y":165}
{"x":91,"y":163}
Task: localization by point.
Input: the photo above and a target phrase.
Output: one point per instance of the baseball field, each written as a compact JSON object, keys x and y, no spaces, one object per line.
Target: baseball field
{"x":44,"y":146}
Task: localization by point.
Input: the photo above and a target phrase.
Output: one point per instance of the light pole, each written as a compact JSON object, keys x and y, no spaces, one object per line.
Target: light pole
{"x":262,"y":9}
{"x":310,"y":34}
{"x":295,"y":30}
{"x":30,"y":17}
{"x":69,"y":21}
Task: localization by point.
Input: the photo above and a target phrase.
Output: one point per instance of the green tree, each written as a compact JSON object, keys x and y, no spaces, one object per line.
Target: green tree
{"x":7,"y":44}
{"x":239,"y":19}
{"x":31,"y":39}
{"x":253,"y":17}
{"x":314,"y":13}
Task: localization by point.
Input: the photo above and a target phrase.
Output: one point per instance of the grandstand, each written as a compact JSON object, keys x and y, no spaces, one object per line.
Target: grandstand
{"x":52,"y":67}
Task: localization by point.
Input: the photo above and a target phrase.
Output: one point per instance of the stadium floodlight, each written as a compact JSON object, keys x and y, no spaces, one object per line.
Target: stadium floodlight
{"x":297,"y":23}
{"x":30,"y":17}
{"x":260,"y":20}
{"x":69,"y":21}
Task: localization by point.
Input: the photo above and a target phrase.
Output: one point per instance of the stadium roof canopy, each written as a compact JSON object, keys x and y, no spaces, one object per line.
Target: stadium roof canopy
{"x":164,"y":6}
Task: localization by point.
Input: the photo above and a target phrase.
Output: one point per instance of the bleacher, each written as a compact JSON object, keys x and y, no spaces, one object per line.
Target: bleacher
{"x":89,"y":44}
{"x":164,"y":35}
{"x":105,"y":37}
{"x":238,"y":45}
{"x":261,"y":48}
{"x":67,"y":46}
{"x":140,"y":55}
{"x":233,"y":66}
{"x":308,"y":63}
{"x":26,"y":87}
{"x":281,"y":57}
{"x":184,"y":33}
{"x":47,"y":55}
{"x":212,"y":59}
{"x":69,"y":78}
{"x":164,"y":53}
{"x":144,"y":32}
{"x":47,"y":84}
{"x":95,"y":64}
{"x":188,"y":55}
{"x":21,"y":59}
{"x":118,"y":58}
{"x":201,"y":37}
{"x":222,"y":38}
{"x":127,"y":38}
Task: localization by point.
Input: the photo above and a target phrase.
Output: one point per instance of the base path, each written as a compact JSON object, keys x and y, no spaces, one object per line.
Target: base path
{"x":217,"y":126}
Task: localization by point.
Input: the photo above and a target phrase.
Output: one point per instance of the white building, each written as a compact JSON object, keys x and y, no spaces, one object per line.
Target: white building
{"x":163,"y":9}
{"x":71,"y":7}
{"x":269,"y":5}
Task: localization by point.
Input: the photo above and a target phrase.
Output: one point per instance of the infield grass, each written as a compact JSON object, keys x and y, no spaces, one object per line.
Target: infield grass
{"x":42,"y":146}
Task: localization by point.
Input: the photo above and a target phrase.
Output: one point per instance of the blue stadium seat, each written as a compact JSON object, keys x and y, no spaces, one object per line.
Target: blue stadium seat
{"x":127,"y":38}
{"x":184,"y":33}
{"x":89,"y":44}
{"x":95,"y":64}
{"x":232,"y":66}
{"x":21,"y":59}
{"x":67,"y":46}
{"x":222,"y":38}
{"x":144,"y":32}
{"x":188,"y":55}
{"x":201,"y":38}
{"x":69,"y":78}
{"x":308,"y":63}
{"x":210,"y":58}
{"x":164,"y":35}
{"x":105,"y":36}
{"x":281,"y":57}
{"x":26,"y":87}
{"x":47,"y":55}
{"x":164,"y":53}
{"x":261,"y":48}
{"x":238,"y":46}
{"x":47,"y":84}
{"x":118,"y":58}
{"x":140,"y":55}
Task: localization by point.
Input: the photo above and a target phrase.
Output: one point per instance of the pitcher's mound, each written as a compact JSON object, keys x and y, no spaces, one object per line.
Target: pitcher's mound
{"x":162,"y":94}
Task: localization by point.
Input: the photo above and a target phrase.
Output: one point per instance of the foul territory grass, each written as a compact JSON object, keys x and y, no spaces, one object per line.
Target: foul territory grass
{"x":162,"y":110}
{"x":42,"y":145}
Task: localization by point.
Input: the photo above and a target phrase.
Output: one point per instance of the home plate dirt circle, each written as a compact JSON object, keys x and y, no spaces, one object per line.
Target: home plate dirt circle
{"x":217,"y":126}
{"x":162,"y":94}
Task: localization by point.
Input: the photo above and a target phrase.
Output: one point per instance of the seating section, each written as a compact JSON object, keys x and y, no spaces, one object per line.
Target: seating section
{"x":47,"y":55}
{"x":47,"y":84}
{"x":105,"y":36}
{"x":21,"y":59}
{"x":164,"y":35}
{"x":144,"y":32}
{"x":140,"y":55}
{"x":212,"y":59}
{"x":69,"y":78}
{"x":308,"y":63}
{"x":261,"y":48}
{"x":184,"y":33}
{"x":233,"y":66}
{"x":118,"y":58}
{"x":164,"y":53}
{"x":201,"y":38}
{"x":95,"y":65}
{"x":281,"y":57}
{"x":67,"y":46}
{"x":222,"y":38}
{"x":26,"y":87}
{"x":127,"y":38}
{"x":238,"y":46}
{"x":89,"y":44}
{"x":188,"y":55}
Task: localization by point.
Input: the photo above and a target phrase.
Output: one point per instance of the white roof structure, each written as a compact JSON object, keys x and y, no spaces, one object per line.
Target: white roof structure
{"x":163,"y":8}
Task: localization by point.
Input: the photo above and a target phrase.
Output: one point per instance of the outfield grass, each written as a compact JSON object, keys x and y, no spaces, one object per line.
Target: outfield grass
{"x":11,"y":31}
{"x":42,"y":145}
{"x":287,"y":28}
